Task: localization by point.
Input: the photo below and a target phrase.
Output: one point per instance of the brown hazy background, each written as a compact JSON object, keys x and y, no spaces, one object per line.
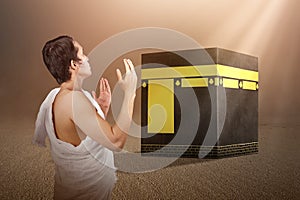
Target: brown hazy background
{"x":268,"y":29}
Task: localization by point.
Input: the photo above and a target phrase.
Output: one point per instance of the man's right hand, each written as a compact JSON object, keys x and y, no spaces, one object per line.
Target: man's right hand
{"x":128,"y":83}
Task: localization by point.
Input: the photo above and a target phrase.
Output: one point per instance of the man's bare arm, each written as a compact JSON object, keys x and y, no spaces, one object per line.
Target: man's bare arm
{"x":90,"y":123}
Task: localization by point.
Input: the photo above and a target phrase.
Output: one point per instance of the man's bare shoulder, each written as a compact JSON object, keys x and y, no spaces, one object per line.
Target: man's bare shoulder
{"x":78,"y":100}
{"x":66,"y":99}
{"x":69,"y":95}
{"x":72,"y":103}
{"x":63,"y":101}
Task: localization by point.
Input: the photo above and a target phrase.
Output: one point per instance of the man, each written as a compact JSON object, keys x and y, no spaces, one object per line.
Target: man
{"x":81,"y":139}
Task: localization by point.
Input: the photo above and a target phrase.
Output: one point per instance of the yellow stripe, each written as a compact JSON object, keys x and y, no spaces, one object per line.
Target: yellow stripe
{"x":161,"y":106}
{"x":177,"y":72}
{"x":230,"y":83}
{"x":227,"y":83}
{"x":232,"y":72}
{"x":194,"y":82}
{"x":247,"y":85}
{"x":199,"y":70}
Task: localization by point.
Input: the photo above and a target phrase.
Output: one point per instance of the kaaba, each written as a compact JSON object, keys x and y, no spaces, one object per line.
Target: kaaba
{"x":199,"y":103}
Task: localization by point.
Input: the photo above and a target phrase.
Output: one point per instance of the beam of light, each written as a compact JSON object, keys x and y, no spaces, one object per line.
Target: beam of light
{"x":234,"y":22}
{"x":252,"y":29}
{"x":263,"y":25}
{"x":258,"y":40}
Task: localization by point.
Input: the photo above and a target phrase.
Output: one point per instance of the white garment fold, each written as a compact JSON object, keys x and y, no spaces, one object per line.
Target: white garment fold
{"x":86,"y":171}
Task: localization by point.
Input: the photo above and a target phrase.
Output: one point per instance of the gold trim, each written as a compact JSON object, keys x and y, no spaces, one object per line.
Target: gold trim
{"x":248,"y":85}
{"x":194,"y":82}
{"x":199,"y":70}
{"x":230,"y":83}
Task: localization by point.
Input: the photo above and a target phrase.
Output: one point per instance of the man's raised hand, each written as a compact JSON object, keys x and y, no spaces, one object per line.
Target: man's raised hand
{"x":128,"y":83}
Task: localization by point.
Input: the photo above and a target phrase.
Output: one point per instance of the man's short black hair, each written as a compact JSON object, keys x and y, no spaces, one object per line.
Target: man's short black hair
{"x":57,"y":56}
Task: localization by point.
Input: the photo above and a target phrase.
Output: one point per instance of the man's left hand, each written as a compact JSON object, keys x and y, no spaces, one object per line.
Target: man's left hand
{"x":104,"y":98}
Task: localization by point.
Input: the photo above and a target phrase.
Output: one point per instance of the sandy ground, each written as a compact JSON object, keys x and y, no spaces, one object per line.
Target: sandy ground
{"x":26,"y":171}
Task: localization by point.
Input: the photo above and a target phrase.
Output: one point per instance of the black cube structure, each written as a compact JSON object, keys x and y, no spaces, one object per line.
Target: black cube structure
{"x":224,"y":120}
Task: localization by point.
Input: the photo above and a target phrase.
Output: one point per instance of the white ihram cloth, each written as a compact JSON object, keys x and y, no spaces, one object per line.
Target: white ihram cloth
{"x":86,"y":171}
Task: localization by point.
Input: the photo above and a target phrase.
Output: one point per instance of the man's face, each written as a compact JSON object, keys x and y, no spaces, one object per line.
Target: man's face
{"x":84,"y":66}
{"x":80,"y":53}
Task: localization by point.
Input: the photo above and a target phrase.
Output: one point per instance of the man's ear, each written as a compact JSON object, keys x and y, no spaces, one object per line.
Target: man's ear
{"x":73,"y":65}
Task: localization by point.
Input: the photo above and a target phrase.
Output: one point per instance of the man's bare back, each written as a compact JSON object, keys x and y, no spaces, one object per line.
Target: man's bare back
{"x":64,"y":126}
